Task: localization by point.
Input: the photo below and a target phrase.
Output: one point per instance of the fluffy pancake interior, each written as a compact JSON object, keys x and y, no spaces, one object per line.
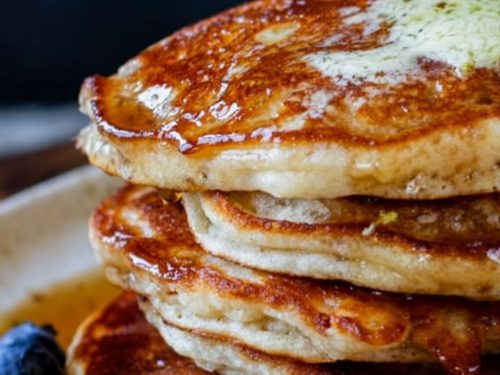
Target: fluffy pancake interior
{"x":402,"y":246}
{"x":229,"y":357}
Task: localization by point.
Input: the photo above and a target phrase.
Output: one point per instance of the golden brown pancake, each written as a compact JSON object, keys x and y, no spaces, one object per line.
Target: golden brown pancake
{"x":229,"y":357}
{"x":308,"y":99}
{"x":145,"y":245}
{"x":399,"y":246}
{"x":119,"y":341}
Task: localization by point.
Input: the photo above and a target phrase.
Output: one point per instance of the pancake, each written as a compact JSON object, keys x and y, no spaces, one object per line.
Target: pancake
{"x":310,"y":99}
{"x":117,"y":340}
{"x":399,"y":246}
{"x":232,"y":358}
{"x":145,"y":245}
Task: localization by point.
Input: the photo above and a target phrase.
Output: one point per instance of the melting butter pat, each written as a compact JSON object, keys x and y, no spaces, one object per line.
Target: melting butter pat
{"x":464,"y":34}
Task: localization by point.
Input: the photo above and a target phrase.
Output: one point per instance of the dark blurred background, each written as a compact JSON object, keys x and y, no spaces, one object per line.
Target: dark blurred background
{"x":47,"y":47}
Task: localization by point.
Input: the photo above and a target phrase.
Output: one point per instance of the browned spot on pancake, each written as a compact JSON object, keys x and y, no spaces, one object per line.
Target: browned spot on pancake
{"x":171,"y":256}
{"x":453,"y":338}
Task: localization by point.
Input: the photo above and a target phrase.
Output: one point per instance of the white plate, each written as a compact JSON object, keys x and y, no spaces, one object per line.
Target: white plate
{"x":43,"y":233}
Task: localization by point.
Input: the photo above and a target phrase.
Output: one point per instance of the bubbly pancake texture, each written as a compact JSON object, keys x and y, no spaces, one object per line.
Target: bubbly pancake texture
{"x":117,"y":340}
{"x":399,"y":246}
{"x":310,"y":99}
{"x":145,"y":245}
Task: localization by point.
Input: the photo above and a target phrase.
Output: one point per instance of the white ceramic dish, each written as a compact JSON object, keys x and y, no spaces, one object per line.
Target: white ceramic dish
{"x":43,"y":233}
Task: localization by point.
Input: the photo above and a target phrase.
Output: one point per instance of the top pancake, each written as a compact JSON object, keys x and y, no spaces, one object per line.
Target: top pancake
{"x":310,"y":99}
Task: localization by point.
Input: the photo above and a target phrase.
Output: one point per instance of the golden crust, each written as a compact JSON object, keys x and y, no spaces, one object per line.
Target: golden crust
{"x":440,"y":239}
{"x":137,"y":232}
{"x":195,"y":63}
{"x":118,"y":340}
{"x":215,"y":88}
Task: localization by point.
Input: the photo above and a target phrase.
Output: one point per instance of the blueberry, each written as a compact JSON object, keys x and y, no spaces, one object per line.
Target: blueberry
{"x":31,"y":350}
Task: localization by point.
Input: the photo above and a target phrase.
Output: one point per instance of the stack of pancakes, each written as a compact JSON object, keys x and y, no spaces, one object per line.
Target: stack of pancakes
{"x":313,"y":181}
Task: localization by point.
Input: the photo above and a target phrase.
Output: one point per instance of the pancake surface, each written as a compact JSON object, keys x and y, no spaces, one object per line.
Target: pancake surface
{"x":399,"y":246}
{"x":117,"y":340}
{"x":310,"y":98}
{"x":145,"y":245}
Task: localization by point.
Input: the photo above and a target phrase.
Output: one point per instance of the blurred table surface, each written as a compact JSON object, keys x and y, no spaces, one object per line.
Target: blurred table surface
{"x":36,"y":143}
{"x":22,"y":171}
